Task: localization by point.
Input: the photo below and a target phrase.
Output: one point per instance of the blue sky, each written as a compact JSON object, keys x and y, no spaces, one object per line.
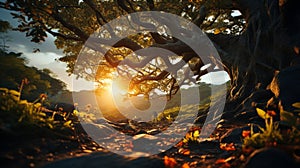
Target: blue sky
{"x":48,"y":54}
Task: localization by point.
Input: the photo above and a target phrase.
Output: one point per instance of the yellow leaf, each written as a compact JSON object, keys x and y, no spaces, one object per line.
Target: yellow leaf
{"x":75,"y":112}
{"x":23,"y":102}
{"x":262,"y":113}
{"x":67,"y":123}
{"x":296,"y":105}
{"x":50,"y":126}
{"x":196,"y":134}
{"x":14,"y":92}
{"x":37,"y":105}
{"x":42,"y":114}
{"x":217,"y":31}
{"x":4,"y":90}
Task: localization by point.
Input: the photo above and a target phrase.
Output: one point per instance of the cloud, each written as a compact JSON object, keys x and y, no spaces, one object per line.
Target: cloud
{"x":73,"y":84}
{"x":46,"y":58}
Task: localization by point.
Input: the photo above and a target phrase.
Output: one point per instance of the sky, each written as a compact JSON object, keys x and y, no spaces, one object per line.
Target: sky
{"x":46,"y":58}
{"x":49,"y":54}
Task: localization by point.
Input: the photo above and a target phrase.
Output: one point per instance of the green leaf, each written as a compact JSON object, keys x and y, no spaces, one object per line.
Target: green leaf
{"x":262,"y":114}
{"x":288,"y":118}
{"x":296,"y":105}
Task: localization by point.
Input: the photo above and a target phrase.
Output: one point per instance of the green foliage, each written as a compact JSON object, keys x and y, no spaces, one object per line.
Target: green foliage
{"x":37,"y":81}
{"x":291,"y":119}
{"x":4,"y":38}
{"x":73,"y":21}
{"x":17,"y":113}
{"x":271,"y":135}
{"x":4,"y":26}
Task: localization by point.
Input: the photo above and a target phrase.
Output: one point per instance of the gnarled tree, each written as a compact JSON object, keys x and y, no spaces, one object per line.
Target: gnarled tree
{"x":254,"y":38}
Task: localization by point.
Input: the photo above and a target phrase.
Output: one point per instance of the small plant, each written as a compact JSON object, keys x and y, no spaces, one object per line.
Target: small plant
{"x":192,"y":136}
{"x":271,"y":135}
{"x":291,"y":119}
{"x":18,"y":112}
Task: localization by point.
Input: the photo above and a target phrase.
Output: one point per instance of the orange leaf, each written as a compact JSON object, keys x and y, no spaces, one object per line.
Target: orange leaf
{"x":179,"y":144}
{"x":271,"y":113}
{"x":184,"y":151}
{"x":169,"y":162}
{"x":224,"y":162}
{"x":185,"y":165}
{"x":220,"y":161}
{"x":246,"y":133}
{"x":227,"y":147}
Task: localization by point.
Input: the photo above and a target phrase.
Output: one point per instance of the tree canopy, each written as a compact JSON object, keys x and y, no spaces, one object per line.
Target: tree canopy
{"x":254,"y":38}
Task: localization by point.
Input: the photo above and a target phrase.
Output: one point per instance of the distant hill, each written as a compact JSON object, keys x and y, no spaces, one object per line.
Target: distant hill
{"x":106,"y":103}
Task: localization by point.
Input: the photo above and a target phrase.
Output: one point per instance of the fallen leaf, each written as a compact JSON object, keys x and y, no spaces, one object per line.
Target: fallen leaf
{"x":179,"y":144}
{"x":220,"y":161}
{"x":87,"y":151}
{"x":227,"y":147}
{"x":185,"y":165}
{"x":169,"y":162}
{"x":217,"y":31}
{"x":184,"y":151}
{"x":246,"y":133}
{"x":224,"y":163}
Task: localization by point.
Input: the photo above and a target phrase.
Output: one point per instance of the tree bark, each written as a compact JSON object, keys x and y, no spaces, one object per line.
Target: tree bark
{"x":266,"y":46}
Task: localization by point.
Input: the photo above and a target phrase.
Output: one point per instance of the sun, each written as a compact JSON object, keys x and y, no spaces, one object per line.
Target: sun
{"x":118,"y":87}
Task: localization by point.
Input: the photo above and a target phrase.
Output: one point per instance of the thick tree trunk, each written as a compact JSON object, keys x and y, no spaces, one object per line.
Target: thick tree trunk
{"x":266,"y":46}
